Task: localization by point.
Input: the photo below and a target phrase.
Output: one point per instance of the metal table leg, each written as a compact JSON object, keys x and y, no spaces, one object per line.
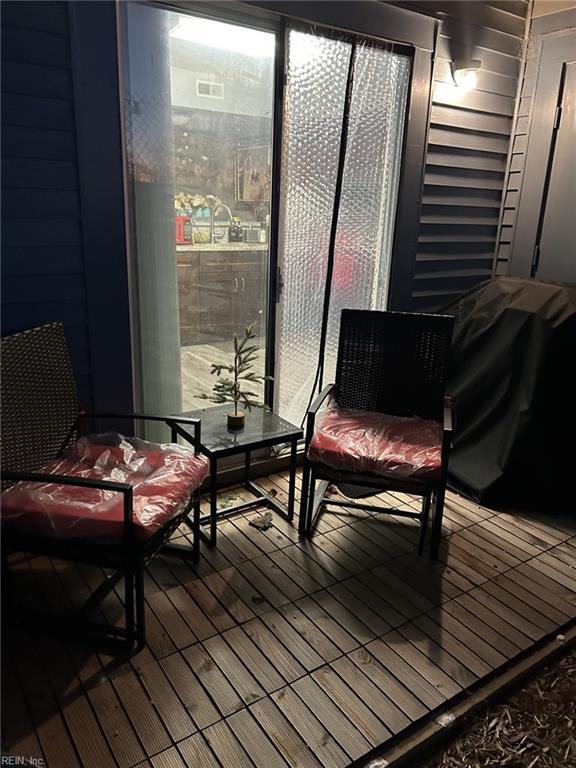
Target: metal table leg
{"x":247,"y":455}
{"x":213,"y":499}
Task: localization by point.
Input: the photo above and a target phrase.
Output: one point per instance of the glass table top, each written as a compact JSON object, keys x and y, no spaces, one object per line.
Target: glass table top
{"x":260,"y":428}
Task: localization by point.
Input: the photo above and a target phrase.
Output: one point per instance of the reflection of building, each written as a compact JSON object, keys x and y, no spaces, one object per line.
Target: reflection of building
{"x":222,"y":113}
{"x":222,"y":125}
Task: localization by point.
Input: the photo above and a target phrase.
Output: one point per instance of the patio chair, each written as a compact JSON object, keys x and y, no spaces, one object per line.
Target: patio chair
{"x":106,"y":500}
{"x":386,"y":424}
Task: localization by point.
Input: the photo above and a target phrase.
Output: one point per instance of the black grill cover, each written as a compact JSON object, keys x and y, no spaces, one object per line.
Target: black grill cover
{"x":514,"y":386}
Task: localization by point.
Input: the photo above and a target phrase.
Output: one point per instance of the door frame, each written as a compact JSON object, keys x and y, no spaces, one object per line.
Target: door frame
{"x":556,"y":50}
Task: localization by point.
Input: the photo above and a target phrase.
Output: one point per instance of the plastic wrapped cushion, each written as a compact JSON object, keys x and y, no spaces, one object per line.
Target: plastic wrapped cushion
{"x":162,"y":476}
{"x":388,"y":446}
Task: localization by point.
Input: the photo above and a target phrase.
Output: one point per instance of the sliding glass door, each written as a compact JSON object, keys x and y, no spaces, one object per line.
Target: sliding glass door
{"x":207,"y":207}
{"x":318,"y":68}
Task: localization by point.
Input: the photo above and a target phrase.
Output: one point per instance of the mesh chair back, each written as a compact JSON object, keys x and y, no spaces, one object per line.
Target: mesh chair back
{"x":393,"y":362}
{"x":39,"y":401}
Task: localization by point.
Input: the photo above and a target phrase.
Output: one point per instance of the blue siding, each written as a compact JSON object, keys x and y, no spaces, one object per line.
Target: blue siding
{"x":43,"y":275}
{"x":40,"y":143}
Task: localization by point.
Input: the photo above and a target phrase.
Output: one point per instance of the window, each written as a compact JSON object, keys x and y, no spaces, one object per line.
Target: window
{"x":211,"y":90}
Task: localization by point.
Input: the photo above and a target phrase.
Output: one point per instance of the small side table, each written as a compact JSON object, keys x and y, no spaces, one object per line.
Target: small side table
{"x":261,"y":430}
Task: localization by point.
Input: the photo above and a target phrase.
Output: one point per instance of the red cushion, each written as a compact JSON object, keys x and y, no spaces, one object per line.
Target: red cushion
{"x":388,"y":446}
{"x":162,"y":476}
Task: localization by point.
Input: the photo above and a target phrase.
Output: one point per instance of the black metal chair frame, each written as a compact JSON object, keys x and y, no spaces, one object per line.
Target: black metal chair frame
{"x":127,"y":557}
{"x":432,"y":491}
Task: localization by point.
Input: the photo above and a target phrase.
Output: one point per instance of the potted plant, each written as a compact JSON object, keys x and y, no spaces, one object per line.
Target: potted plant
{"x":233,"y":377}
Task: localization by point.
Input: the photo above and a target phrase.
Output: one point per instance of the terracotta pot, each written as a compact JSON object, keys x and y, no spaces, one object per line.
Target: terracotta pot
{"x":236,"y":420}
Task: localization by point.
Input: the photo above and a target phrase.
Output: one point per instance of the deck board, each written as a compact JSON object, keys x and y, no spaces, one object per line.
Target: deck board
{"x":274,"y":651}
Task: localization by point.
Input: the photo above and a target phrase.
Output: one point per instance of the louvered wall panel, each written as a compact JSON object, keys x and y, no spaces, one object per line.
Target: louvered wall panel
{"x":468,"y":146}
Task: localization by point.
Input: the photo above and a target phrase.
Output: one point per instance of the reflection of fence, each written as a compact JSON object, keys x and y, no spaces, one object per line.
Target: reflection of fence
{"x":149,"y":139}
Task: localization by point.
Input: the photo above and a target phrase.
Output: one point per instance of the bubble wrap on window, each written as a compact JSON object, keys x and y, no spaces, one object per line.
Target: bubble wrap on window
{"x":314,"y":104}
{"x":315,"y":93}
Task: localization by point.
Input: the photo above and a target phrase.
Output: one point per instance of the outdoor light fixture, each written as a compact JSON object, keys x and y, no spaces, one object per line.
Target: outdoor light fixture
{"x":465,"y":73}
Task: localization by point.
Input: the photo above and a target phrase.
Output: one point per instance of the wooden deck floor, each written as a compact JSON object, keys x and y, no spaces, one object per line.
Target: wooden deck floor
{"x":274,"y":652}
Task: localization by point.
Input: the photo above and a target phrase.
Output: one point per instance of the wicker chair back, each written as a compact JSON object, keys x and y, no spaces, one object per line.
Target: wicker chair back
{"x":393,"y":362}
{"x":39,"y":403}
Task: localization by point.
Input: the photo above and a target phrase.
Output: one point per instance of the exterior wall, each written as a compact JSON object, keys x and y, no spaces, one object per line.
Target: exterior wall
{"x":467,"y":146}
{"x":42,"y":244}
{"x":548,"y":24}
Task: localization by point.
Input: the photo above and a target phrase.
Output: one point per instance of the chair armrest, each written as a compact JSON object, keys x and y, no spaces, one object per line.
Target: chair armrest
{"x":313,"y":410}
{"x":315,"y":407}
{"x":84,"y":482}
{"x":171,"y":421}
{"x":447,"y":434}
{"x":448,"y":414}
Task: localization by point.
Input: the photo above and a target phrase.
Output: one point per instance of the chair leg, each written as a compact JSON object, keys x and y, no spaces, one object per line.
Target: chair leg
{"x":424,"y":519}
{"x":303,"y":514}
{"x":437,"y":521}
{"x":140,"y":605}
{"x":129,"y":606}
{"x":196,"y":527}
{"x":6,"y":592}
{"x":310,"y":505}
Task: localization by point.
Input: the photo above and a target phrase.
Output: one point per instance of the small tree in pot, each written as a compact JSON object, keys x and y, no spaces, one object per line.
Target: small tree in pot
{"x":230,"y":388}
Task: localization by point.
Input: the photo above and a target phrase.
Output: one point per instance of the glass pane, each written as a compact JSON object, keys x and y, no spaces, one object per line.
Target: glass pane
{"x":317,"y":70}
{"x":314,"y":104}
{"x":199,"y":101}
{"x":369,"y":192}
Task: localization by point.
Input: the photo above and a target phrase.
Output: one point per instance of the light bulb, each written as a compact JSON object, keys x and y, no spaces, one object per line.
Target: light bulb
{"x":465,"y":73}
{"x":466,"y":79}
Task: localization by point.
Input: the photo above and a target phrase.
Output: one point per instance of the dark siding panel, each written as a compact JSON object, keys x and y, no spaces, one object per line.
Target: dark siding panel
{"x":517,"y":7}
{"x":17,"y":315}
{"x":41,"y":232}
{"x":38,"y":143}
{"x":483,"y":37}
{"x":36,"y":80}
{"x":42,"y":254}
{"x":492,"y":60}
{"x":476,"y":100}
{"x":474,"y":121}
{"x":48,"y":260}
{"x":452,"y":197}
{"x":37,"y":112}
{"x":456,"y":157}
{"x":482,"y":15}
{"x":63,"y":205}
{"x":440,"y":214}
{"x":450,"y":177}
{"x":24,"y":173}
{"x":27,"y":289}
{"x":461,"y":138}
{"x":490,"y":82}
{"x":35,"y":47}
{"x":40,"y":16}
